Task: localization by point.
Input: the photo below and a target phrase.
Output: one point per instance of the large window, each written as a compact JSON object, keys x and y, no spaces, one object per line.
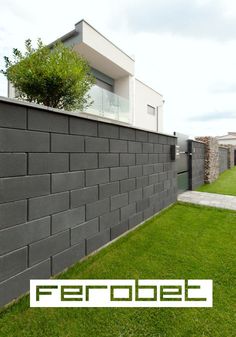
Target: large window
{"x":150,"y":110}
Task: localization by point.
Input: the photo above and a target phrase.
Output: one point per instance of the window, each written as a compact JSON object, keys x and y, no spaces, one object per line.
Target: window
{"x":150,"y":110}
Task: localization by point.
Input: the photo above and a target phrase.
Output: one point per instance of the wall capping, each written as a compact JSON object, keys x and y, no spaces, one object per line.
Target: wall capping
{"x":76,"y":114}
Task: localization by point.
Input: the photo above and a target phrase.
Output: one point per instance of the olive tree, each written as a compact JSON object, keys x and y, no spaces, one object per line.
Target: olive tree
{"x":54,"y":76}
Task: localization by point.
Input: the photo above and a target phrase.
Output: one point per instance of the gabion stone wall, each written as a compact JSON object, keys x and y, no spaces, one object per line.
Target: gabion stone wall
{"x":197,"y":164}
{"x":223,"y":159}
{"x":211,"y":158}
{"x":69,"y":185}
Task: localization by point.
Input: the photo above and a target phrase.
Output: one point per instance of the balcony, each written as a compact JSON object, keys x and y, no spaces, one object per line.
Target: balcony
{"x":108,"y":105}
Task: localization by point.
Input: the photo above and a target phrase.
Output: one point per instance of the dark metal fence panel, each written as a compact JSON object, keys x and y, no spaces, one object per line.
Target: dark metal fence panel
{"x":223,"y":159}
{"x":197,"y":164}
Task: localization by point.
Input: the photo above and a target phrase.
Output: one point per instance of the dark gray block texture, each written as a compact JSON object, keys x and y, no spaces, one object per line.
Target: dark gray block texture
{"x":69,"y":185}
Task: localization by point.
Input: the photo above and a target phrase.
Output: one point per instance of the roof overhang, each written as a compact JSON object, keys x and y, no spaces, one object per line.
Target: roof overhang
{"x":100,"y":53}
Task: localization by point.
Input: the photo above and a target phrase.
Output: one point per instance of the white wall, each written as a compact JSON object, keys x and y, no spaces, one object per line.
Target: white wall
{"x":124,"y":87}
{"x":144,"y":96}
{"x":12,"y":93}
{"x":227,"y":141}
{"x":92,"y":39}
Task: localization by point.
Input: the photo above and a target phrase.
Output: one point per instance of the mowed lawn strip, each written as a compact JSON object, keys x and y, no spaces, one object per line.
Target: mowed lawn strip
{"x":225,"y":184}
{"x":183,"y":242}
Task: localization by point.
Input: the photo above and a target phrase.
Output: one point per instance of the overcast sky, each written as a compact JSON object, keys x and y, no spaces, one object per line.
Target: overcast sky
{"x":185,"y":49}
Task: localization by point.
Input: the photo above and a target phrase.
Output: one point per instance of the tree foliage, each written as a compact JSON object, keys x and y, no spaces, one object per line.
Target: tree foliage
{"x":57,"y":77}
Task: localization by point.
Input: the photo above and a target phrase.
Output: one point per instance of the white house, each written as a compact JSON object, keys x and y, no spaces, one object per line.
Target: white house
{"x":117,"y":94}
{"x":230,"y":138}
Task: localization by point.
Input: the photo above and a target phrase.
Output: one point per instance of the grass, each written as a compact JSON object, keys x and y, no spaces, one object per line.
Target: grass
{"x":185,"y":241}
{"x":225,"y":184}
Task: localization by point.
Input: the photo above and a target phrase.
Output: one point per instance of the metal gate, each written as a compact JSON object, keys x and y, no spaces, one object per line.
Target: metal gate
{"x":183,"y":162}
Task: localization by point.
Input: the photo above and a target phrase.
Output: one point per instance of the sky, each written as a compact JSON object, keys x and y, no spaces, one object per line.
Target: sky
{"x":184,"y":49}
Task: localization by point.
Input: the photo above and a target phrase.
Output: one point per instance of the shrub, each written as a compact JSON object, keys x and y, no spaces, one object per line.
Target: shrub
{"x":57,"y":77}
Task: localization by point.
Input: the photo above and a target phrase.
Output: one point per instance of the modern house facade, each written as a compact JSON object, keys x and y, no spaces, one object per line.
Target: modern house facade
{"x":117,"y":94}
{"x":230,"y":138}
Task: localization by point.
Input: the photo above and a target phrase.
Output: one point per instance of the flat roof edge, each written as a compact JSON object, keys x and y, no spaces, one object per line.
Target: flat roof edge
{"x":148,"y":86}
{"x":83,"y":20}
{"x":64,"y":37}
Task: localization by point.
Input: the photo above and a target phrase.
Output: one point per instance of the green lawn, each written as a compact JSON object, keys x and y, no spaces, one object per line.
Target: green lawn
{"x":184,"y":241}
{"x":225,"y":184}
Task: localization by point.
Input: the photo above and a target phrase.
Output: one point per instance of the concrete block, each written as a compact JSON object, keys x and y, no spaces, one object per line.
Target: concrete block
{"x":141,"y":158}
{"x":147,"y":148}
{"x":40,"y":163}
{"x":135,"y":219}
{"x":153,"y":178}
{"x":153,"y":137}
{"x":147,"y":169}
{"x":119,"y":201}
{"x":142,"y":181}
{"x":148,"y":212}
{"x":127,"y":185}
{"x":166,"y":148}
{"x":142,"y":204}
{"x":93,"y":144}
{"x":13,"y":140}
{"x":119,"y":229}
{"x":66,"y":143}
{"x":13,"y":263}
{"x":97,"y":241}
{"x":67,"y":181}
{"x":107,"y":190}
{"x":97,"y":176}
{"x":13,"y":164}
{"x":135,"y":195}
{"x":135,"y":171}
{"x":118,"y":145}
{"x":84,"y":231}
{"x":127,"y":133}
{"x":162,"y":176}
{"x":134,"y":147}
{"x":109,"y":219}
{"x":47,"y":121}
{"x":148,"y":191}
{"x":50,"y":204}
{"x":127,"y":211}
{"x":119,"y":173}
{"x":48,"y":247}
{"x":12,"y":116}
{"x":159,"y":187}
{"x":19,"y":284}
{"x":127,"y":159}
{"x":21,"y":235}
{"x":157,"y":168}
{"x":108,"y":159}
{"x":84,"y":196}
{"x":158,"y":148}
{"x":17,"y":188}
{"x":108,"y":130}
{"x":153,"y":158}
{"x":81,"y":126}
{"x":68,"y":219}
{"x":13,"y":213}
{"x":141,"y":136}
{"x":97,"y":208}
{"x":67,"y":258}
{"x":83,"y":161}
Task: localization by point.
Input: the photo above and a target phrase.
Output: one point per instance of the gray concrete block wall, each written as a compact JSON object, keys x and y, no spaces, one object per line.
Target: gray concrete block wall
{"x":223,"y":159}
{"x":197,"y":163}
{"x":69,"y":185}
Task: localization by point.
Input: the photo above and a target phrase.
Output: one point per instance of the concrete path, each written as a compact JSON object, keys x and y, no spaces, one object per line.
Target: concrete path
{"x":209,"y":199}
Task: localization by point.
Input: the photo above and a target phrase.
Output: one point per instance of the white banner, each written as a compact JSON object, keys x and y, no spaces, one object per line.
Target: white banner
{"x":121,"y":293}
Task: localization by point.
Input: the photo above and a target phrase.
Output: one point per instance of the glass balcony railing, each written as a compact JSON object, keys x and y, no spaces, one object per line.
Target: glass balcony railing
{"x":109,"y":105}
